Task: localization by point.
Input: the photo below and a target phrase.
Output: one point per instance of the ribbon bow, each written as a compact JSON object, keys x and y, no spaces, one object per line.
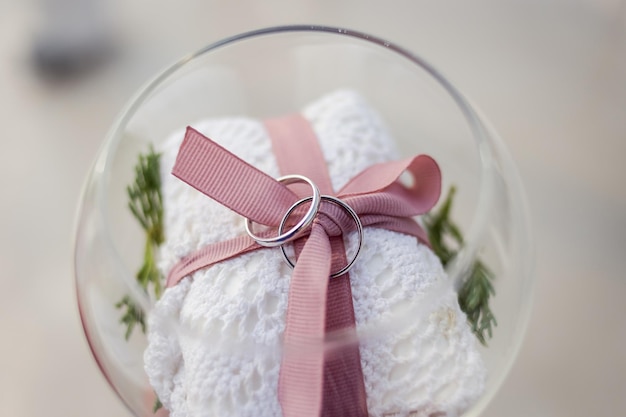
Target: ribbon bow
{"x":310,"y":384}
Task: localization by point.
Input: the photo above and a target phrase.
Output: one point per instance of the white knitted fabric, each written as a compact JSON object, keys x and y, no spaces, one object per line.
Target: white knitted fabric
{"x":214,"y":340}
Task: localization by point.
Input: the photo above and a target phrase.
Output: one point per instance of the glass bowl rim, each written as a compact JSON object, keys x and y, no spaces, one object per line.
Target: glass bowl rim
{"x":483,"y":140}
{"x":484,"y":136}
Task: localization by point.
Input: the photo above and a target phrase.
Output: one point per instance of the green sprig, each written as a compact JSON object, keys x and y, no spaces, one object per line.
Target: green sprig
{"x":477,"y":289}
{"x":134,"y":315}
{"x":157,"y":405}
{"x":146,"y":204}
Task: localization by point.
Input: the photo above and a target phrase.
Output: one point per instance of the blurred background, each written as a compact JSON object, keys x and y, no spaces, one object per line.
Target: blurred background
{"x":549,"y":74}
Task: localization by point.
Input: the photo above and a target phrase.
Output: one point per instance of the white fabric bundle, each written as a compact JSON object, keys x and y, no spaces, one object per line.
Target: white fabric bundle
{"x":214,"y":340}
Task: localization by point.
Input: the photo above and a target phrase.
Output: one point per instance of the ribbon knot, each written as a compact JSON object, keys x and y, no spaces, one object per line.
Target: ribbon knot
{"x":335,"y":224}
{"x":333,"y":219}
{"x":312,"y":381}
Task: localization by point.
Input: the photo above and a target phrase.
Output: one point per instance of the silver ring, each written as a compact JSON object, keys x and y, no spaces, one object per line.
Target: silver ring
{"x":348,"y":209}
{"x":304,"y":222}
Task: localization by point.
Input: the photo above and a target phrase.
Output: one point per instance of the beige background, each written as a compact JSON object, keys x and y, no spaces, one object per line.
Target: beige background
{"x":551,"y":76}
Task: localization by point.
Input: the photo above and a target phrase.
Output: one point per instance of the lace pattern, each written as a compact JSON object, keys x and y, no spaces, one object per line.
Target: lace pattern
{"x":214,"y":340}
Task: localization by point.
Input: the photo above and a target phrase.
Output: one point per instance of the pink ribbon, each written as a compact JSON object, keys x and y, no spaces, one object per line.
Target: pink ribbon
{"x":313,"y":381}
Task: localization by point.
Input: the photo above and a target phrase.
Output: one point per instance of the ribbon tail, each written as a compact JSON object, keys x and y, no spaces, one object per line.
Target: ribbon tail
{"x":300,"y":385}
{"x":210,"y":255}
{"x":234,"y":183}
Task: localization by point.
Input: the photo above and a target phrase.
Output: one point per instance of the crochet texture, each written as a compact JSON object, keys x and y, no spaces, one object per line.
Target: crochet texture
{"x":214,"y":339}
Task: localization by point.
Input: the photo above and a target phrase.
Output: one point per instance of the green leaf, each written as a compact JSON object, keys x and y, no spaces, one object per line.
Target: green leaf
{"x":157,"y":405}
{"x":133,"y":315}
{"x":477,"y":289}
{"x":145,"y":202}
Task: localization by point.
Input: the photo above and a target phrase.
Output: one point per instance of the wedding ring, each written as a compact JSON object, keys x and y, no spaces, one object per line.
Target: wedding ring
{"x":299,"y":227}
{"x":348,"y":209}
